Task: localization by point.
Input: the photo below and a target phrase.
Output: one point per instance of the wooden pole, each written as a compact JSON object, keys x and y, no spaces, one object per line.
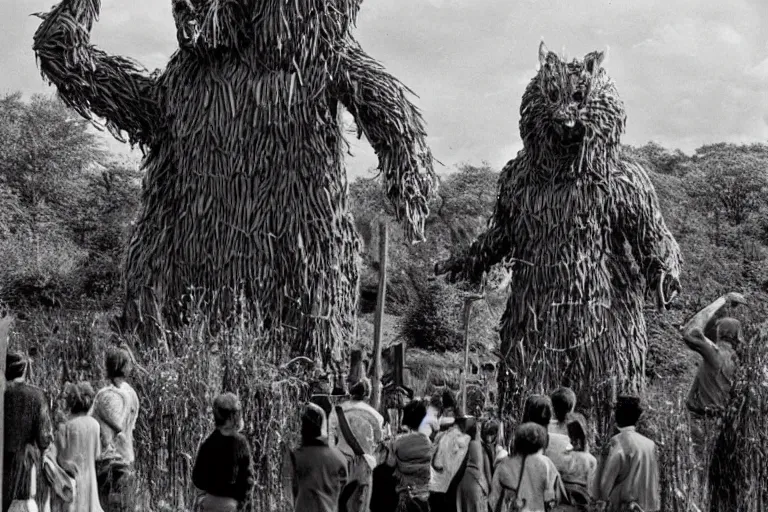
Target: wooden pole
{"x":379,"y":318}
{"x":5,"y":325}
{"x":465,"y":368}
{"x":468,"y":301}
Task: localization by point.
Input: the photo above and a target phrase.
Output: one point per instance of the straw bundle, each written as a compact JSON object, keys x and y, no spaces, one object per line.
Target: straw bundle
{"x":581,"y":228}
{"x":739,"y":468}
{"x":245,"y":185}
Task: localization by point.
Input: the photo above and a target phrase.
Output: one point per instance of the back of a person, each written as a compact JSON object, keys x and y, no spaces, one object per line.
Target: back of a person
{"x":124,"y":443}
{"x":22,"y":415}
{"x":578,"y":481}
{"x":638,"y":481}
{"x":78,"y":444}
{"x":320,"y":474}
{"x":223,"y":455}
{"x":364,"y":422}
{"x":559,"y":451}
{"x":23,"y":433}
{"x":582,"y":469}
{"x":534,"y":486}
{"x":449,"y":452}
{"x":713,"y":381}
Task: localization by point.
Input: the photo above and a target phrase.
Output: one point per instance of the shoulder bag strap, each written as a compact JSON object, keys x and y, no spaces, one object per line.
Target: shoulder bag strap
{"x":349,"y":436}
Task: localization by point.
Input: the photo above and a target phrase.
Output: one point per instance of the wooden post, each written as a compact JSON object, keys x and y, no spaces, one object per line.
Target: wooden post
{"x":379,"y":318}
{"x":5,"y":325}
{"x":468,"y":300}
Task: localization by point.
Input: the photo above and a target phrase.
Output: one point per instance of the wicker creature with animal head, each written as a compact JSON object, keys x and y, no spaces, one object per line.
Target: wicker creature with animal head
{"x":245,"y":189}
{"x":580,"y":226}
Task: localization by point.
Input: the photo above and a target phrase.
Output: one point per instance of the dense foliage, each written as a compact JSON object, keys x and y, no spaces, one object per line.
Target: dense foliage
{"x":66,"y":210}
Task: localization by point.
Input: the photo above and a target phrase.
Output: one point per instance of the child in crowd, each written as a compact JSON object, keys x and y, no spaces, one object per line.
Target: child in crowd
{"x":559,"y":447}
{"x":493,"y":442}
{"x":223,"y":472}
{"x":579,"y":478}
{"x":527,"y":481}
{"x":319,"y":470}
{"x":538,"y":409}
{"x":78,"y":447}
{"x":628,"y":474}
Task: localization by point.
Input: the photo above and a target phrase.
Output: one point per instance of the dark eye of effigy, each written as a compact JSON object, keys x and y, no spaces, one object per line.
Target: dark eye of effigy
{"x":578,"y":96}
{"x":554,"y":95}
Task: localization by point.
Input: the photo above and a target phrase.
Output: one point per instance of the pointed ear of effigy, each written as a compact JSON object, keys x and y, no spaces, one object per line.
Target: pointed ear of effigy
{"x":543,"y":53}
{"x":593,"y":61}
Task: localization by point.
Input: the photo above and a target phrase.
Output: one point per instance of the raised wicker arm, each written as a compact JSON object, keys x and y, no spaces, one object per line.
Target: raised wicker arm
{"x":491,"y":246}
{"x":395,"y":129}
{"x":90,"y":81}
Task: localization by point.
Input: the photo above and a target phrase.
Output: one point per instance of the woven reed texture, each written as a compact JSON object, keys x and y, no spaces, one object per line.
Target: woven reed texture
{"x":245,"y":185}
{"x":580,"y":226}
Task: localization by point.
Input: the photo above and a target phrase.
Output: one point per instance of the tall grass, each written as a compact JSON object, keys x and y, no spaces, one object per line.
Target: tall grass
{"x":176,"y":391}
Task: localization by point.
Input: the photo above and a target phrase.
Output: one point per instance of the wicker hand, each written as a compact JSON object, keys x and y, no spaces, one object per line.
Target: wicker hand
{"x":667,"y":289}
{"x":734,"y":299}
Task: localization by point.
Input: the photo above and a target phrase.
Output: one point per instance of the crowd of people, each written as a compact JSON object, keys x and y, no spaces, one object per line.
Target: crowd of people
{"x":81,"y":459}
{"x":441,"y":462}
{"x":347,"y":462}
{"x":78,"y":460}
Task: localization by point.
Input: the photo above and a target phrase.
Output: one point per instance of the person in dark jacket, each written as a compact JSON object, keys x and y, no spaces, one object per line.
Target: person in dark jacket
{"x":319,"y":470}
{"x":223,"y":472}
{"x":28,"y":431}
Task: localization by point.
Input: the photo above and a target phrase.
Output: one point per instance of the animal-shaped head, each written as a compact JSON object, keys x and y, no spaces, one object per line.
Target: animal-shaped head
{"x":288,"y":26}
{"x":570,"y":104}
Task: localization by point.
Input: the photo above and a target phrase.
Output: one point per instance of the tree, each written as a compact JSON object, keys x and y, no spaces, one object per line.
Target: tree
{"x":730,"y":181}
{"x":45,"y":154}
{"x":50,"y":171}
{"x":661,"y":159}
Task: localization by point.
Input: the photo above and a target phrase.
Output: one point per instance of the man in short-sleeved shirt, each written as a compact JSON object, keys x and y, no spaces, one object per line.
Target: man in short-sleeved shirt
{"x":712,"y":385}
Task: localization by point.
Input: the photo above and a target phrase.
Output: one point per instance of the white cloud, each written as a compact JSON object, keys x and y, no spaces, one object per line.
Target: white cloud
{"x":689,"y":71}
{"x":760,"y":71}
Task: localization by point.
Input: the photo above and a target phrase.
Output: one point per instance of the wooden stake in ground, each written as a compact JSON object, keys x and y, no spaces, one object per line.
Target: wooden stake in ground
{"x":377,"y":323}
{"x":5,"y":326}
{"x":468,"y":301}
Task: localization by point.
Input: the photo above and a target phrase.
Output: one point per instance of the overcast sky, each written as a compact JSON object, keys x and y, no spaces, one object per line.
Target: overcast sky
{"x":690,"y":72}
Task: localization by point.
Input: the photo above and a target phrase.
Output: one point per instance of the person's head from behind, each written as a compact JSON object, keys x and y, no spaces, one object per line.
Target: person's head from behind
{"x":227,"y":413}
{"x":449,"y":402}
{"x":312,"y":423}
{"x":563,"y":403}
{"x":436,"y":403}
{"x":628,"y":411}
{"x":118,"y":363}
{"x":728,"y":330}
{"x":538,"y":409}
{"x":78,"y":398}
{"x":18,"y":367}
{"x":468,"y":425}
{"x":577,"y":431}
{"x":529,"y":439}
{"x":361,"y":390}
{"x":490,"y":432}
{"x":414,"y":413}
